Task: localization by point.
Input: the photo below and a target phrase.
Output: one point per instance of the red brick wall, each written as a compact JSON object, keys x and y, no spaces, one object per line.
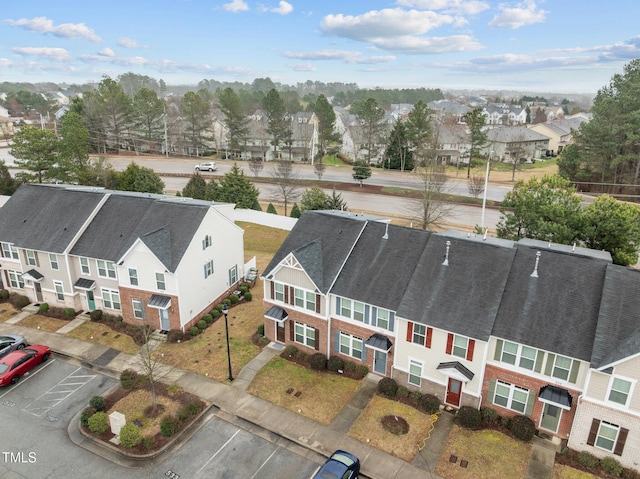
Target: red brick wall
{"x":152,"y":314}
{"x":533,"y":384}
{"x":300,"y":317}
{"x":361,"y":332}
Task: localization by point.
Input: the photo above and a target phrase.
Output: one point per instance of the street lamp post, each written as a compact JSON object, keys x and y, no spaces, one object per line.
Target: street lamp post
{"x":486,"y":185}
{"x":225,"y":311}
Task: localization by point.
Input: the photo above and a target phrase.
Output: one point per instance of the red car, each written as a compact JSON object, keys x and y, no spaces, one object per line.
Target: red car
{"x":17,"y":363}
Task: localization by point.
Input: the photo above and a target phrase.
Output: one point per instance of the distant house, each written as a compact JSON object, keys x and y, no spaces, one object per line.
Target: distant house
{"x":447,"y":111}
{"x":560,"y":132}
{"x":453,"y":144}
{"x":161,"y":260}
{"x":4,"y":113}
{"x":516,"y":143}
{"x":504,"y":114}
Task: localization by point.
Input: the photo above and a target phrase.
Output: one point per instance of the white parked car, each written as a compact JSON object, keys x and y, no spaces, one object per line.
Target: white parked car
{"x":207,"y":166}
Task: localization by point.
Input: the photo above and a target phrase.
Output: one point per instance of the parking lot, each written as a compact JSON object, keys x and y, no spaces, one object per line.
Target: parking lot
{"x":34,"y":443}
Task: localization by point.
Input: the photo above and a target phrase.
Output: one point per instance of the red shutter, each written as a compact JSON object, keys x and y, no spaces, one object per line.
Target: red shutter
{"x":427,"y":342}
{"x":591,"y":440}
{"x":449,"y":343}
{"x":273,"y":290}
{"x":317,"y":303}
{"x":622,"y":438}
{"x":409,"y":332}
{"x":317,"y":341}
{"x":472,"y":345}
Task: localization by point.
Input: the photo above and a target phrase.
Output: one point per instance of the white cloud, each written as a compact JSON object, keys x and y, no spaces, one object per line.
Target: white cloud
{"x":429,"y":45}
{"x":323,"y":55}
{"x":55,"y":54}
{"x":459,"y":7}
{"x":128,"y":43}
{"x":284,"y":8}
{"x":525,"y":13}
{"x":65,"y":30}
{"x":107,"y":52}
{"x":236,"y":6}
{"x":298,"y":67}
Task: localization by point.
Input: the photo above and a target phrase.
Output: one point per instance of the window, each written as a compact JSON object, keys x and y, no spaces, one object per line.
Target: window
{"x":9,"y":251}
{"x":206,"y":242}
{"x":345,"y":308}
{"x":528,"y":357}
{"x":460,"y":346}
{"x":53,"y":261}
{"x":619,"y":391}
{"x":84,"y":266}
{"x":514,"y":354}
{"x":279,"y":292}
{"x":358,"y":311}
{"x":351,"y":309}
{"x":106,"y":269}
{"x":415,"y":372}
{"x":233,"y":274}
{"x":208,"y":268}
{"x":311,"y":301}
{"x":299,"y":298}
{"x":160,"y":284}
{"x":509,"y":353}
{"x":561,"y":367}
{"x":138,"y":309}
{"x":57,"y":285}
{"x":419,"y":335}
{"x":607,"y":436}
{"x":383,"y":319}
{"x":111,"y":298}
{"x":351,"y":346}
{"x":305,"y":335}
{"x":511,"y":396}
{"x":32,"y":257}
{"x":15,"y":279}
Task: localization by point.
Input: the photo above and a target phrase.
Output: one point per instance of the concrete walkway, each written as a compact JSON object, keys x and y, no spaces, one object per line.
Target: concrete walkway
{"x":350,"y":413}
{"x":543,"y":457}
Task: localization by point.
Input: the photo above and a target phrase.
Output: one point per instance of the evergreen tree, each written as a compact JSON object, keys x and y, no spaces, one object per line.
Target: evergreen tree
{"x":371,"y":116}
{"x":326,"y":122}
{"x":279,"y":125}
{"x":398,"y":154}
{"x":271,"y":209}
{"x":141,"y":179}
{"x":7,"y":184}
{"x":196,"y":113}
{"x":295,"y":211}
{"x":196,"y":187}
{"x":313,"y":198}
{"x":235,"y":120}
{"x":73,"y":164}
{"x":35,"y":151}
{"x":335,"y":202}
{"x":361,"y":171}
{"x":477,"y":136}
{"x":235,"y":187}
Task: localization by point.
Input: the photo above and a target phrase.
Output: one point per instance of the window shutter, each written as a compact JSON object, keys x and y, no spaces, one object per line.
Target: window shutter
{"x":573,"y":374}
{"x":409,"y":332}
{"x":366,"y":314}
{"x":538,"y":365}
{"x":622,"y":438}
{"x":549,"y":366}
{"x":392,"y":318}
{"x":317,"y":303}
{"x":338,"y":303}
{"x":530,"y":402}
{"x":449,"y":343}
{"x":428,"y":338}
{"x":498,"y":353}
{"x":292,"y":295}
{"x":471,"y":347}
{"x":273,"y":290}
{"x":492,"y":389}
{"x":292,"y":331}
{"x":595,"y":425}
{"x":364,"y":352}
{"x":374,"y":316}
{"x":317,"y":340}
{"x":205,"y":271}
{"x":286,"y":294}
{"x":336,"y":341}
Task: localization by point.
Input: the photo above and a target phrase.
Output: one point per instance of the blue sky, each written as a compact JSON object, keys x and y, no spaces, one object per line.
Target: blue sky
{"x":563,"y":46}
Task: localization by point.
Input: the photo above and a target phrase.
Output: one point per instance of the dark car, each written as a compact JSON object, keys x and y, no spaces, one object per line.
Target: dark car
{"x":11,"y":342}
{"x":17,"y":363}
{"x":341,"y":465}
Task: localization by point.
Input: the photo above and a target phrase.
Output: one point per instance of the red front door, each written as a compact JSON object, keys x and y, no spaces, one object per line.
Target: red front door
{"x":454,"y":389}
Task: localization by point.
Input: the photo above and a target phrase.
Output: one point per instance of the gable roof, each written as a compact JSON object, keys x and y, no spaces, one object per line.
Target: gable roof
{"x":464,"y":296}
{"x":513,"y":134}
{"x":556,"y":311}
{"x":618,"y":331}
{"x":46,"y":217}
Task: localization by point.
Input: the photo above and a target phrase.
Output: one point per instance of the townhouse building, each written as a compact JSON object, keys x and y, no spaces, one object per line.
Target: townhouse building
{"x":153,"y":258}
{"x":533,"y":328}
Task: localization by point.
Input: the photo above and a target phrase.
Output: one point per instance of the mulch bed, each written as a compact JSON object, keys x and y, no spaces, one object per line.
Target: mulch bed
{"x":570,"y":458}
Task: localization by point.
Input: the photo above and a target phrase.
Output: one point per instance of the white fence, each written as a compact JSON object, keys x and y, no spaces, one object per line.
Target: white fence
{"x":265,"y":219}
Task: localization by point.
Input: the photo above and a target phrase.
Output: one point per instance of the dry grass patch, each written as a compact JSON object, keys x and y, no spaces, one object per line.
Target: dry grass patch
{"x":134,"y":404}
{"x":7,"y":311}
{"x":368,"y":428}
{"x":279,"y":376}
{"x":490,"y":455}
{"x":103,"y":334}
{"x":565,"y":472}
{"x":45,"y":323}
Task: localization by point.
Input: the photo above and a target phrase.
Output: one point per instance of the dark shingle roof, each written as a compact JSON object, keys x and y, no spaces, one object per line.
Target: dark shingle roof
{"x":558,"y":310}
{"x":618,"y":332}
{"x":46,"y":217}
{"x":378,"y":270}
{"x":464,"y":296}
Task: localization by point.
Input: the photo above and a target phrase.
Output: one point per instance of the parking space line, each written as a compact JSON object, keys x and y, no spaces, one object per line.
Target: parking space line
{"x":54,"y":396}
{"x":217,"y":452}
{"x":27,"y":377}
{"x":264,"y":463}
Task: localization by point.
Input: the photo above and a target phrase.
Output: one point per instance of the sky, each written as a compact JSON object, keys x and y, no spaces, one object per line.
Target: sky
{"x":556,"y":46}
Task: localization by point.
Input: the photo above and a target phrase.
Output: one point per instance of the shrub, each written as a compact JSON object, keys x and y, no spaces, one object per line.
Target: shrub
{"x":289,"y":351}
{"x":630,"y":474}
{"x":271,"y":209}
{"x":129,"y":379}
{"x":335,"y":363}
{"x":43,"y":308}
{"x":415,"y":395}
{"x":260,"y":329}
{"x":148,"y":442}
{"x":349,"y":367}
{"x":611,"y":466}
{"x":202,"y":324}
{"x":361,"y":371}
{"x":215,"y":314}
{"x":189,"y":410}
{"x":130,"y":435}
{"x":244,"y":289}
{"x":505,"y":422}
{"x":388,"y":387}
{"x":97,"y":403}
{"x":220,"y":307}
{"x":193,"y":331}
{"x":69,"y":312}
{"x":99,"y":423}
{"x":96,"y":315}
{"x":489,"y":414}
{"x":469,"y":417}
{"x":317,"y":362}
{"x":207,"y":318}
{"x":402,"y":392}
{"x":176,"y":335}
{"x":301,"y":356}
{"x":169,"y":425}
{"x":248,"y":296}
{"x":227,"y":301}
{"x":429,"y":403}
{"x":4,"y":294}
{"x":21,"y":301}
{"x":86,"y":414}
{"x":522,"y":428}
{"x":587,"y":459}
{"x":234,"y":299}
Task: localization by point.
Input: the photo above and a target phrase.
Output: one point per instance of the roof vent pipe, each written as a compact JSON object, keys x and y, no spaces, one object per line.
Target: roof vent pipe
{"x":535,"y":269}
{"x":446,"y":255}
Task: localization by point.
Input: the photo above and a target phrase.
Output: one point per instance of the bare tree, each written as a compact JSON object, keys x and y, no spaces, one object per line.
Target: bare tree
{"x":475,"y":185}
{"x":431,"y":208}
{"x":256,"y":165}
{"x":285,"y":176}
{"x":319,"y":167}
{"x":149,"y":364}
